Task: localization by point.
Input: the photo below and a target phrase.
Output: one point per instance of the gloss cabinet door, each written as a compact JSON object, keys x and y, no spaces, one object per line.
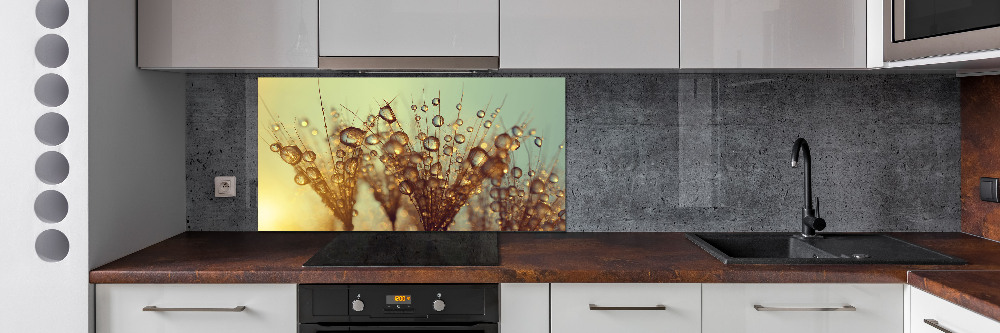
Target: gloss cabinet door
{"x":581,"y":34}
{"x":227,"y":34}
{"x":409,"y":28}
{"x":626,"y":307}
{"x":196,"y":308}
{"x":927,"y":310}
{"x":775,"y":34}
{"x":802,"y":308}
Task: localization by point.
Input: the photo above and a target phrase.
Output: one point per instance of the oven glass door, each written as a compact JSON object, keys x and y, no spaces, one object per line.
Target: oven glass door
{"x":930,"y":18}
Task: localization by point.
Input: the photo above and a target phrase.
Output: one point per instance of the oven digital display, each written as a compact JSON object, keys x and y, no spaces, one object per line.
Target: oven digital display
{"x":397,"y":299}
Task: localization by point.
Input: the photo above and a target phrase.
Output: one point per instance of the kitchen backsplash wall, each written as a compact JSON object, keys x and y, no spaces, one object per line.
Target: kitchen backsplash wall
{"x":682,"y":152}
{"x":980,"y":153}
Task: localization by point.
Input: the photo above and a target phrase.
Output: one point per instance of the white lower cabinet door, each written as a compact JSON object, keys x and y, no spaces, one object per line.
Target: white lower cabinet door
{"x":930,"y":314}
{"x":626,"y":307}
{"x":524,"y":308}
{"x":802,"y":308}
{"x":196,"y":308}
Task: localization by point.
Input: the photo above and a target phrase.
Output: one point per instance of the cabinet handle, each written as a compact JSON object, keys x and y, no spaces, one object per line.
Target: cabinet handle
{"x":233,"y":309}
{"x":630,"y":308}
{"x":935,"y":324}
{"x":759,"y":307}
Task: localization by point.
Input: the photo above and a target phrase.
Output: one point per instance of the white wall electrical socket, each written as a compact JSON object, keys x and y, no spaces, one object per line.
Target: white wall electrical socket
{"x":225,"y":186}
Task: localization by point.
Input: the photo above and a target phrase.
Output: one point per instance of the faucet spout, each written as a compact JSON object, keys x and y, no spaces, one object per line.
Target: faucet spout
{"x":810,"y":222}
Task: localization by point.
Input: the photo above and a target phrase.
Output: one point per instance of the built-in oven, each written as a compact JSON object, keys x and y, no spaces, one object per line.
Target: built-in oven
{"x":927,"y":28}
{"x":465,"y":308}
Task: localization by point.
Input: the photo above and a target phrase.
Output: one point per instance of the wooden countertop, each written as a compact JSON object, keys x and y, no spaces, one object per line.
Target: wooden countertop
{"x":277,"y":257}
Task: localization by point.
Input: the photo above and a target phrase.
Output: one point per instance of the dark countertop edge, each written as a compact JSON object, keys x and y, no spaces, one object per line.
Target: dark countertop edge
{"x":941,"y":283}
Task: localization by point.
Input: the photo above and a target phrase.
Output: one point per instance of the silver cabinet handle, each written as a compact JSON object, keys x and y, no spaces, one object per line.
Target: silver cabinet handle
{"x":630,"y":308}
{"x":233,"y":309}
{"x":759,"y":307}
{"x":935,"y":324}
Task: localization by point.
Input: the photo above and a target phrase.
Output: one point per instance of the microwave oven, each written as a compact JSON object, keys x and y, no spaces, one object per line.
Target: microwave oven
{"x":915,"y":29}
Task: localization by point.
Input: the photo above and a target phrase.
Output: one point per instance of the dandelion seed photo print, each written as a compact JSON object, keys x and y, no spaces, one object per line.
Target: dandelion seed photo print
{"x":411,"y":154}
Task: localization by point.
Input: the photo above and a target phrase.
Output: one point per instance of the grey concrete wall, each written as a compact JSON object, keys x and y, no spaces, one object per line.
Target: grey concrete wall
{"x":683,"y":152}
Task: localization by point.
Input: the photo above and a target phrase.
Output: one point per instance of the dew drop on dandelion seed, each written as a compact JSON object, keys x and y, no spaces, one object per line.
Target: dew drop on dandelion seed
{"x":480,"y":113}
{"x":488,"y":124}
{"x":315,"y":132}
{"x":291,"y":154}
{"x":421,"y":136}
{"x":494,"y":168}
{"x":275,"y":147}
{"x":448,"y":150}
{"x":309,"y":156}
{"x":477,"y":156}
{"x":459,"y":122}
{"x":538,"y":141}
{"x":436,"y":168}
{"x":352,"y":136}
{"x":542,"y":209}
{"x":275,"y":127}
{"x":516,"y":172}
{"x":304,"y":123}
{"x":406,"y":188}
{"x":531,"y":173}
{"x":458,"y":106}
{"x":431,"y":143}
{"x":516,"y":131}
{"x":436,"y":101}
{"x":468,"y":129}
{"x":447,"y":138}
{"x":437,"y":121}
{"x":386,"y":114}
{"x":495,"y":182}
{"x":424,"y":108}
{"x":494,"y":115}
{"x":502,"y":141}
{"x":313,"y":173}
{"x":459,"y":138}
{"x":372,"y":140}
{"x":553,"y":178}
{"x":301,"y":179}
{"x":371,"y":118}
{"x":495,"y":206}
{"x":410,"y":173}
{"x":516,"y":144}
{"x":537,"y":186}
{"x":413,"y":107}
{"x":354,"y":213}
{"x":400,"y":137}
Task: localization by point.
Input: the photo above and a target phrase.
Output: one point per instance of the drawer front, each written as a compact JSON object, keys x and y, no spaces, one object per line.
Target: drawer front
{"x":268,"y":308}
{"x":730,"y":308}
{"x":949,"y":316}
{"x":626,"y":307}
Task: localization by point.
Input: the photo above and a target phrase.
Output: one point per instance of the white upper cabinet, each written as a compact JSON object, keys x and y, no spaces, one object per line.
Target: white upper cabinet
{"x":227,"y":34}
{"x":409,"y":28}
{"x":778,"y":33}
{"x":589,"y":34}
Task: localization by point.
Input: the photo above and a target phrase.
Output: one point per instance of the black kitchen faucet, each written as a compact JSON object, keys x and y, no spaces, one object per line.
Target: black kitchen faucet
{"x":810,"y":222}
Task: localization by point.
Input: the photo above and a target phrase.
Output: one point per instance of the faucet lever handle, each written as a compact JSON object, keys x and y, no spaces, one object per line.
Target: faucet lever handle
{"x":817,"y":206}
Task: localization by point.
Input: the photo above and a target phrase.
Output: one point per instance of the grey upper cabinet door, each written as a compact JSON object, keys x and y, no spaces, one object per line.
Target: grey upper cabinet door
{"x":581,"y":34}
{"x":775,"y":34}
{"x":222,"y":34}
{"x":409,"y":28}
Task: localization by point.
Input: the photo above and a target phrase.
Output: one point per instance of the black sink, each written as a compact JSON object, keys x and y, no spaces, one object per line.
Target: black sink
{"x":787,"y":248}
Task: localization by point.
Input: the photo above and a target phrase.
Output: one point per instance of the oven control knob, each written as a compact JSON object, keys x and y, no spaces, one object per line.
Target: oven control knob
{"x":438,"y":305}
{"x":358,"y":305}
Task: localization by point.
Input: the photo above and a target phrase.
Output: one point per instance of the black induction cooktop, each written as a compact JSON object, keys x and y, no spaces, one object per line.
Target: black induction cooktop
{"x":409,"y":248}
